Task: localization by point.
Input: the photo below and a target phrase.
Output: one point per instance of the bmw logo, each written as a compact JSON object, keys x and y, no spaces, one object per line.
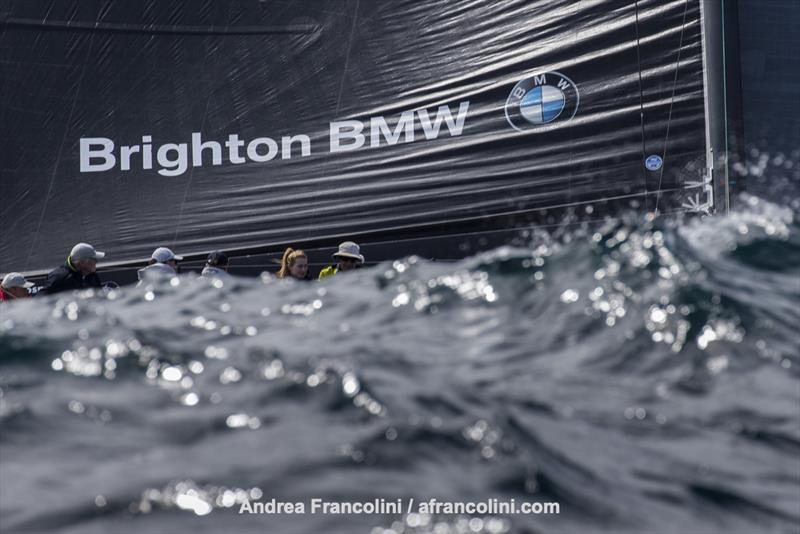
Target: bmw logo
{"x":653,"y":163}
{"x":541,"y":100}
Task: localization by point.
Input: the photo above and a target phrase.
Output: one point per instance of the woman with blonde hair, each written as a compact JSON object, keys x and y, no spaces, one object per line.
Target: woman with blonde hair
{"x":294,"y":265}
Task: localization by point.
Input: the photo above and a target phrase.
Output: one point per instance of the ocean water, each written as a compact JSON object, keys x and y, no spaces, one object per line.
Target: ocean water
{"x":645,"y":375}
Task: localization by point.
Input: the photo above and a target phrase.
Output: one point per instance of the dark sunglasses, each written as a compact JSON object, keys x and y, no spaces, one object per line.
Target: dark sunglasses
{"x":346,"y":259}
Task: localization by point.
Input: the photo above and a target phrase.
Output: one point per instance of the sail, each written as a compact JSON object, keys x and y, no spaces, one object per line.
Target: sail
{"x":212,"y":124}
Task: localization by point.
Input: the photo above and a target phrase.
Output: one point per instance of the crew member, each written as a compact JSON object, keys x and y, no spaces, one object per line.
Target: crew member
{"x":216,"y":264}
{"x":14,"y":286}
{"x":294,"y":265}
{"x":163,"y":262}
{"x":79,"y":271}
{"x":348,"y":258}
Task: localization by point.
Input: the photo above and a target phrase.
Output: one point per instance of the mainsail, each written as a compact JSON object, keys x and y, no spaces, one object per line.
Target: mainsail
{"x":244,"y":125}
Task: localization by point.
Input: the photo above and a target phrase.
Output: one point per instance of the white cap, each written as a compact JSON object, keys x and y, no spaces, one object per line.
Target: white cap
{"x":85,"y":251}
{"x":15,"y":280}
{"x":348,"y":249}
{"x":163,"y":255}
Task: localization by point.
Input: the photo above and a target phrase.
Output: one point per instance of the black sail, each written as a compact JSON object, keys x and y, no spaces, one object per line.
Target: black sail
{"x":242,"y":125}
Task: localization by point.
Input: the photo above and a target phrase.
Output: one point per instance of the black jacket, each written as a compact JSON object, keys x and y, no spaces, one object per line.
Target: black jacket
{"x":65,"y":278}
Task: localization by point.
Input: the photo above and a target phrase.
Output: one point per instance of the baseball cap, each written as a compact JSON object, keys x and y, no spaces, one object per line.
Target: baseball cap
{"x":163,"y":255}
{"x":217,"y":258}
{"x":85,"y":251}
{"x":15,"y":280}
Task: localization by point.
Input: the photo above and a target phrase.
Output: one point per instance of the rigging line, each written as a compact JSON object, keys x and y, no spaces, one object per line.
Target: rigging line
{"x":186,"y":191}
{"x":63,"y":142}
{"x":671,"y":103}
{"x":641,"y":103}
{"x":191,"y":172}
{"x":339,"y":94}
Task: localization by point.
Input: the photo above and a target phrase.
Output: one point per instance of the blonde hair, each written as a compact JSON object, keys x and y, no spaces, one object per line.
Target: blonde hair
{"x":289,"y":257}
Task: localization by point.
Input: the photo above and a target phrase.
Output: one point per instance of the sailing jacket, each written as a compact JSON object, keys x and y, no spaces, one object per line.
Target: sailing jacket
{"x":67,"y":278}
{"x":156,"y":270}
{"x":210,"y":271}
{"x":330,"y":270}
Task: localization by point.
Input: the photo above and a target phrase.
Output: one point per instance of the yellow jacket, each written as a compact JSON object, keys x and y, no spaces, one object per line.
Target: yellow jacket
{"x":328,"y":271}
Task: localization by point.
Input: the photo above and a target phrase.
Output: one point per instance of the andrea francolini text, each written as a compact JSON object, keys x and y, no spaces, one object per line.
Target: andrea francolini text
{"x":320,"y":506}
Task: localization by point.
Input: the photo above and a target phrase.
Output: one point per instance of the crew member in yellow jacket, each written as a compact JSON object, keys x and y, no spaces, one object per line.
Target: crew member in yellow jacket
{"x":348,"y":258}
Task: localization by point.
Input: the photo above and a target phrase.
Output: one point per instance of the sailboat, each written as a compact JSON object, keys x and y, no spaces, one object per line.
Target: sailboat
{"x":412,"y":127}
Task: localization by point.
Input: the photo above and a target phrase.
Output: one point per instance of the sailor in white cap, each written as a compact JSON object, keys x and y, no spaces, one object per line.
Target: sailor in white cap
{"x":162,"y":262}
{"x":14,"y":286}
{"x":348,"y":258}
{"x":79,"y":271}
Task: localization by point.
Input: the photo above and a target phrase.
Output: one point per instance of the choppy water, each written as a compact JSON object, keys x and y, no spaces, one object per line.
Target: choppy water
{"x":644,"y":375}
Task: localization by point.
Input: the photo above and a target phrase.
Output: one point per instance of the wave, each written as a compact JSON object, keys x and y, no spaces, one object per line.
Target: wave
{"x":642,"y":373}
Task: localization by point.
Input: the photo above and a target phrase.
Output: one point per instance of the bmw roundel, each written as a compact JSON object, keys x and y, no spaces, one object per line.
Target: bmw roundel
{"x":653,"y":163}
{"x":541,"y":100}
